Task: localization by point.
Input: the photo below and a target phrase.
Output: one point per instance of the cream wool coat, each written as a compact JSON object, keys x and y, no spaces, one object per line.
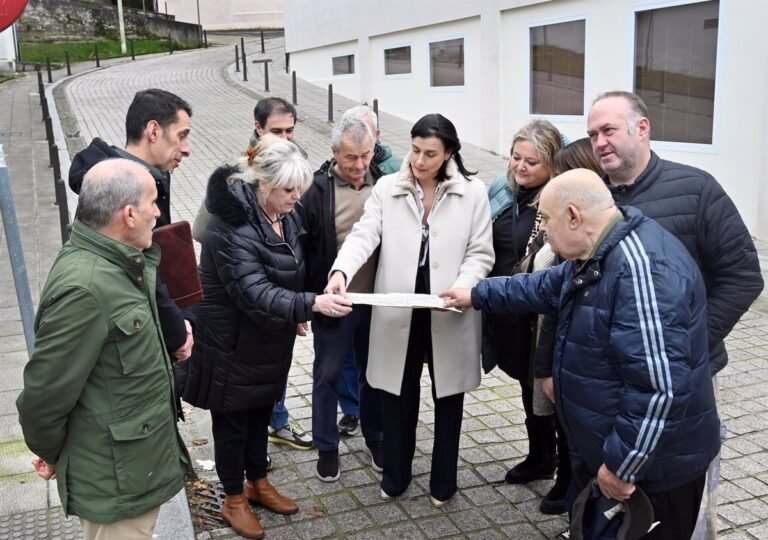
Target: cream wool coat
{"x":460,"y":254}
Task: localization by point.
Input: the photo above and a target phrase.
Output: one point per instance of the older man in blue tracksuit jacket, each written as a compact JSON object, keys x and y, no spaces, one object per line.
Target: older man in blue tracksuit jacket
{"x":631,"y":365}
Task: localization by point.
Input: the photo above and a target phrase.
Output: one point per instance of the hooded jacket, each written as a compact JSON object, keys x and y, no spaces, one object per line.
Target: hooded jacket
{"x":246,"y":323}
{"x":631,"y":364}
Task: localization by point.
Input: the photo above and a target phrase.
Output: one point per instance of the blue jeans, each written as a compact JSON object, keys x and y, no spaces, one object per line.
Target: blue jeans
{"x":348,"y":387}
{"x":334,"y":340}
{"x":279,"y":418}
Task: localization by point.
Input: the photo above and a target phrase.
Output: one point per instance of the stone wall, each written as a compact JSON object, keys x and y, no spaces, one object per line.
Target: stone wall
{"x":73,"y":20}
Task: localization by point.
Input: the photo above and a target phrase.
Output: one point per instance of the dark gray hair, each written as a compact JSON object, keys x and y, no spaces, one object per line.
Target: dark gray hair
{"x":107,"y":188}
{"x":637,"y":106}
{"x":352,"y":127}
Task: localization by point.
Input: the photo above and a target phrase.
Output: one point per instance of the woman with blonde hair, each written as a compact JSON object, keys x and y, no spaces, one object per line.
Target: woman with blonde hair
{"x":508,"y":339}
{"x":252,"y":269}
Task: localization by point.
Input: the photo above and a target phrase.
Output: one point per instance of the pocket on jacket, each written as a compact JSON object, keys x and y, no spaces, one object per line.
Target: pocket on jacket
{"x":145,"y":453}
{"x":134,"y":346}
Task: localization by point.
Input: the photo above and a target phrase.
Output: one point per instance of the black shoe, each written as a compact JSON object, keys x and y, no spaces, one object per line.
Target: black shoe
{"x":328,"y":465}
{"x":376,"y":452}
{"x":349,"y":425}
{"x":529,"y":470}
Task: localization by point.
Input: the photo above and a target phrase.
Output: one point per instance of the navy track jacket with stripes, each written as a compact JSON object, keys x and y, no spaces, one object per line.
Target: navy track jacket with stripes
{"x":631,"y":366}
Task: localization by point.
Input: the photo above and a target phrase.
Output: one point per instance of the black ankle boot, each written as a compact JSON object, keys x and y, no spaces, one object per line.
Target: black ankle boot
{"x":556,"y":501}
{"x":540,"y":462}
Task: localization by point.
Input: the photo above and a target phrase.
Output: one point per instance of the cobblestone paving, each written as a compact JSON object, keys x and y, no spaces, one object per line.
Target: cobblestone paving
{"x":493,"y":437}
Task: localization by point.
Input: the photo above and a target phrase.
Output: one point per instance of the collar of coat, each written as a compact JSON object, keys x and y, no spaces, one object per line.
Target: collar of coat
{"x":130,"y":259}
{"x":641,"y":183}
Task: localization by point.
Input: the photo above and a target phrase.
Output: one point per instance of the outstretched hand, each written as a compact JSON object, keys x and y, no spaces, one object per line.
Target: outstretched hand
{"x":457,"y":298}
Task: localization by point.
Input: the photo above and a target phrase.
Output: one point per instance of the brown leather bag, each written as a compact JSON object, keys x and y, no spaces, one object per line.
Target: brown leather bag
{"x":178,"y":264}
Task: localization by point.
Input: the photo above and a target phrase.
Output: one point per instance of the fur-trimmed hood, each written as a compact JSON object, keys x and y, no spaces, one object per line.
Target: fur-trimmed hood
{"x":234,"y":203}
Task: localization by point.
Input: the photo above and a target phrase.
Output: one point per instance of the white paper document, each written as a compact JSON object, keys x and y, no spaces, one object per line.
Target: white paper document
{"x":400,"y":300}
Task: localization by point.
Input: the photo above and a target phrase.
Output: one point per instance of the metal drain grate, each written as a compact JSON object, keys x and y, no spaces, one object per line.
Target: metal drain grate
{"x":205,"y":502}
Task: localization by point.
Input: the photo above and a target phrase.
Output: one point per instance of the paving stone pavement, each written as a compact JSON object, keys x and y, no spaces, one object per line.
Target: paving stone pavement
{"x":94,"y":104}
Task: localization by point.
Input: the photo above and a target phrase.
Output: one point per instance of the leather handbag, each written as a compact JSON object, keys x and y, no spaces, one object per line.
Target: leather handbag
{"x":178,"y":263}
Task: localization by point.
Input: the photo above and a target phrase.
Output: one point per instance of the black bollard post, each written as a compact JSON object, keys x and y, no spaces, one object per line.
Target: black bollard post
{"x":45,"y":108}
{"x":69,"y":69}
{"x":40,"y":88}
{"x":376,"y":110}
{"x":262,"y":41}
{"x":237,"y":60}
{"x":287,"y":62}
{"x":245,"y":67}
{"x":133,"y":52}
{"x":56,"y":165}
{"x":170,"y":44}
{"x":293,"y":84}
{"x":96,"y":51}
{"x":330,"y":103}
{"x":48,"y":69}
{"x":205,"y":38}
{"x":266,"y":76}
{"x":49,"y":133}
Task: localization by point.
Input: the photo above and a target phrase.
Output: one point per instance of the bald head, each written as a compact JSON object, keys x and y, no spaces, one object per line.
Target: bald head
{"x":575,"y":207}
{"x":118,"y":199}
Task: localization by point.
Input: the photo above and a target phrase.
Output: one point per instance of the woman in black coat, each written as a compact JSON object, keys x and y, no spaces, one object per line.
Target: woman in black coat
{"x":252,"y":270}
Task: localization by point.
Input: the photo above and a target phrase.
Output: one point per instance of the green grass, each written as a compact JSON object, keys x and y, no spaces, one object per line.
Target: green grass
{"x":6,"y":77}
{"x":84,"y":50}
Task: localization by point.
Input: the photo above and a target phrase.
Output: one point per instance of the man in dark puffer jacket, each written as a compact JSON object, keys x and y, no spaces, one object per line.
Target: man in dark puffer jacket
{"x":631,"y":366}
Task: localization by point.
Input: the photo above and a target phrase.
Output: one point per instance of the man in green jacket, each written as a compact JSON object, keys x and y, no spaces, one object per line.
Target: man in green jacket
{"x":97,"y":405}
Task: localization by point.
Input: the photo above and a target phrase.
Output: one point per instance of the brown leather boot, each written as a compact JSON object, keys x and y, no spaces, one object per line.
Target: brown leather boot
{"x":238,"y":513}
{"x":263,"y":493}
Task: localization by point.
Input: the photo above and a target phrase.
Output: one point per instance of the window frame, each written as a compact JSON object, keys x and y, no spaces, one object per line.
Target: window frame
{"x":560,"y":118}
{"x":670,"y":146}
{"x":444,"y":89}
{"x":384,"y":50}
{"x":344,"y":55}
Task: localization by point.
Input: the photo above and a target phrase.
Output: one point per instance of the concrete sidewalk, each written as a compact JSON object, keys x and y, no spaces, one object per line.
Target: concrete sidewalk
{"x":493,"y":438}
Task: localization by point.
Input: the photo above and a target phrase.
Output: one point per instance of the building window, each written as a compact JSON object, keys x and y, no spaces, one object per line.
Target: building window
{"x":557,"y":68}
{"x":344,"y":65}
{"x":446,"y":62}
{"x":675,"y":65}
{"x":397,"y":61}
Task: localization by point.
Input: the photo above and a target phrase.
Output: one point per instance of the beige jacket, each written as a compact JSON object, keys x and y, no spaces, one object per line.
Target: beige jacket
{"x":460,"y":254}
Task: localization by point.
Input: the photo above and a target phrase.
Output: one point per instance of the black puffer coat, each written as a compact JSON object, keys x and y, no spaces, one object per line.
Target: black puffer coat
{"x":246,"y":325}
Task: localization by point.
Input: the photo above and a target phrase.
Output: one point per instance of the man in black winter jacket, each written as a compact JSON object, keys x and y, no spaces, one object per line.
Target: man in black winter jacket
{"x":690,"y":204}
{"x":157,"y":128}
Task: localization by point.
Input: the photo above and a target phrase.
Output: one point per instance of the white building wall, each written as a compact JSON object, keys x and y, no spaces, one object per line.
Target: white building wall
{"x":494,"y":102}
{"x":227,"y":14}
{"x":7,"y":51}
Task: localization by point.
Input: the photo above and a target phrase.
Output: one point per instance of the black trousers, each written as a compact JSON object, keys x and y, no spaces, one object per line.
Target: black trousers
{"x":676,"y":509}
{"x":402,"y":414}
{"x":240,"y":445}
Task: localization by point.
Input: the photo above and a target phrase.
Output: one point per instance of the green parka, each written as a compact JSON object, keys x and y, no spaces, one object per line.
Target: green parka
{"x":98,"y":394}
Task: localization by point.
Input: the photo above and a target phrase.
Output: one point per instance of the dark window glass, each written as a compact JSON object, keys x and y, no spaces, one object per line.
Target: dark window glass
{"x":344,"y":65}
{"x":446,"y":62}
{"x":557,"y":68}
{"x":675,"y":64}
{"x":397,"y":60}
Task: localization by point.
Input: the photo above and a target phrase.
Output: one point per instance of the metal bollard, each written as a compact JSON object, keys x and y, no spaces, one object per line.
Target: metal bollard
{"x":205,"y":38}
{"x":16,"y":255}
{"x":96,"y":50}
{"x":237,"y":60}
{"x":48,"y":69}
{"x":61,"y":201}
{"x":262,"y":41}
{"x":133,"y":53}
{"x":330,"y":103}
{"x":45,"y":107}
{"x":40,"y":88}
{"x":245,"y":67}
{"x":376,"y":111}
{"x":49,"y":126}
{"x":170,"y":44}
{"x":69,"y":69}
{"x":266,"y":76}
{"x":287,"y":62}
{"x":293,"y":84}
{"x":55,"y":164}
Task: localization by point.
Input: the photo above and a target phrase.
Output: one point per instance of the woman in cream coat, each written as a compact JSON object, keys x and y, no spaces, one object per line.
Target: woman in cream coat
{"x":432,"y":224}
